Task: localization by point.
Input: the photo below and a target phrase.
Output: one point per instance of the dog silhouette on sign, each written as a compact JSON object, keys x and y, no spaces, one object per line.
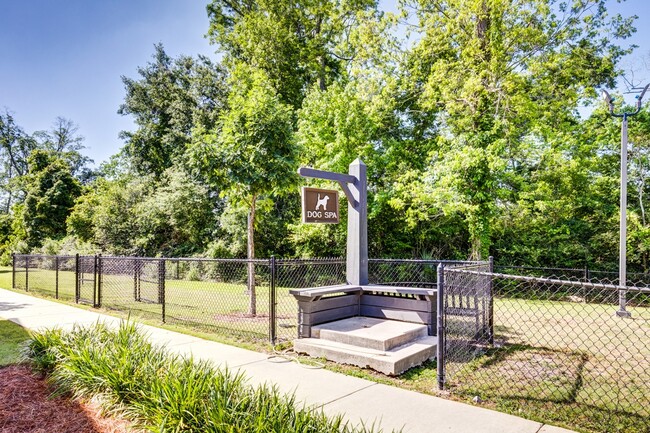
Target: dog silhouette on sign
{"x":322,"y":202}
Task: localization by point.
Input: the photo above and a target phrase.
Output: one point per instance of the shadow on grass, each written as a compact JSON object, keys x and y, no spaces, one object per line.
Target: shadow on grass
{"x":551,"y":386}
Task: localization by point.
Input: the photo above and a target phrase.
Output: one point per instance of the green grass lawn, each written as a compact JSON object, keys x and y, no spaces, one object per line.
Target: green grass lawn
{"x":12,"y":337}
{"x":566,"y":363}
{"x":5,"y":277}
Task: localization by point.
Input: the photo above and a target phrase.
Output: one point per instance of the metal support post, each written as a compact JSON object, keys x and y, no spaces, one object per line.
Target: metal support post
{"x":440,"y":310}
{"x":491,"y":302}
{"x":161,"y":286}
{"x":95,"y":281}
{"x":622,"y":256}
{"x":56,"y":281}
{"x":76,"y":278}
{"x":27,"y":273}
{"x":13,"y":270}
{"x":273,"y":303}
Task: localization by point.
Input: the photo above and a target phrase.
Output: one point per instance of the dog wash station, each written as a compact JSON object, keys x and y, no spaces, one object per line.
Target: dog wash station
{"x":388,"y":328}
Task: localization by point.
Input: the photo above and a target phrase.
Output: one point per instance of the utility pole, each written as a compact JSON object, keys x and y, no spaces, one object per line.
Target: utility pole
{"x":622,"y":257}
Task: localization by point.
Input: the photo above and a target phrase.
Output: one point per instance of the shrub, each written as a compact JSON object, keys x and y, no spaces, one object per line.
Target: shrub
{"x":163,"y":392}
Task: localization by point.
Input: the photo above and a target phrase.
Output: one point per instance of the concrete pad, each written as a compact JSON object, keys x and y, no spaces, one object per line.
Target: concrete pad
{"x":221,"y":355}
{"x":369,"y":332}
{"x":391,"y":362}
{"x":395,"y":408}
{"x":167,"y":338}
{"x":42,"y":322}
{"x":313,"y":386}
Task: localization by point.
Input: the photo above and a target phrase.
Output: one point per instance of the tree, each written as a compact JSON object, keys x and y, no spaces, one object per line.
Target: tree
{"x":252,"y":153}
{"x":51,"y":193}
{"x":172,"y":97}
{"x":15,"y":148}
{"x":297,"y":44}
{"x":63,"y":139}
{"x":497,"y":72}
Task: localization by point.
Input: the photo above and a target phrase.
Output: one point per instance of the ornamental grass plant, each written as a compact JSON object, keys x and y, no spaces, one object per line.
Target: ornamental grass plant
{"x":161,"y":392}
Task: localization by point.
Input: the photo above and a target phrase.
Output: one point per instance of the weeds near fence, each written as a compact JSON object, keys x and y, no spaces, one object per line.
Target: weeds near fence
{"x":162,"y":392}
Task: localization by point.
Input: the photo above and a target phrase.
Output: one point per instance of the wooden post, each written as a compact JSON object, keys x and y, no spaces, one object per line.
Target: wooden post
{"x":357,"y":248}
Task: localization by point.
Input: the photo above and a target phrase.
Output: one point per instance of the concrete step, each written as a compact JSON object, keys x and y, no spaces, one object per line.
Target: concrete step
{"x":391,"y":362}
{"x":370,"y":333}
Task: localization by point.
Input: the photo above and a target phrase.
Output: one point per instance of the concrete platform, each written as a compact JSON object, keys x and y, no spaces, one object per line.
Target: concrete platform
{"x":391,"y":362}
{"x":369,"y":332}
{"x":388,"y":346}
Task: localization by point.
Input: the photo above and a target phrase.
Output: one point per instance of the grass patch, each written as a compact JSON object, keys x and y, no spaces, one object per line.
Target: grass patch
{"x":162,"y":392}
{"x":5,"y":277}
{"x":12,"y":339}
{"x":551,"y":386}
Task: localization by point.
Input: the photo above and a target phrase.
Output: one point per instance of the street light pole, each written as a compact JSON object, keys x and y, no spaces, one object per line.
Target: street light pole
{"x":622,"y":246}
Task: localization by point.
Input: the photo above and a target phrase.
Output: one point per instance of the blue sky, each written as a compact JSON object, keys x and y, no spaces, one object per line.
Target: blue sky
{"x":66,"y":58}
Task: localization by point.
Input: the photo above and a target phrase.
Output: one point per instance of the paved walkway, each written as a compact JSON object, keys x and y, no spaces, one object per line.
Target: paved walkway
{"x":360,"y":400}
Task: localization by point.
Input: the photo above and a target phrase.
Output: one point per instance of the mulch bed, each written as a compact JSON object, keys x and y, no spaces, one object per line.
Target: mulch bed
{"x":26,"y":406}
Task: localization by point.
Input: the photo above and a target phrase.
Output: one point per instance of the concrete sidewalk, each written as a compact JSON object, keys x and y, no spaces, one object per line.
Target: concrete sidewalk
{"x":358,"y":399}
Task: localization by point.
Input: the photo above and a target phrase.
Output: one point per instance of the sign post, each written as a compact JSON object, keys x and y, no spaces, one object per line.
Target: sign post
{"x":354,"y":186}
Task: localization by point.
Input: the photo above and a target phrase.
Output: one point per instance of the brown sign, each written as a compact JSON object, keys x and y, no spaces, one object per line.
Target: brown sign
{"x":320,"y":205}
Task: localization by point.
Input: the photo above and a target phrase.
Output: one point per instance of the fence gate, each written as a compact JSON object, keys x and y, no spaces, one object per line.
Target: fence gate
{"x":87,"y":280}
{"x":465,"y":315}
{"x":149,"y":281}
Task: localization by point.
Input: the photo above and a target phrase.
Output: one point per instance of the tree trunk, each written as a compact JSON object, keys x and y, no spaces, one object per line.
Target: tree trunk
{"x":252,"y":305}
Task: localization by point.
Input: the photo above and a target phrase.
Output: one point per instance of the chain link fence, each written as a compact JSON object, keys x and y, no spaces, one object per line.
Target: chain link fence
{"x":244,"y":299}
{"x":47,"y":275}
{"x":558,"y":344}
{"x":543,"y":337}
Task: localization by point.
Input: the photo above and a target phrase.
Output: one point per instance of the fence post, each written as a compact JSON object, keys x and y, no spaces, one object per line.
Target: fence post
{"x":27,"y":273}
{"x":95,"y":282}
{"x":272,"y":303}
{"x":56,"y":282}
{"x":100,"y":280}
{"x":440,"y":311}
{"x":491,"y":302}
{"x":161,"y":286}
{"x":76,"y":278}
{"x":136,"y":279}
{"x":13,"y":270}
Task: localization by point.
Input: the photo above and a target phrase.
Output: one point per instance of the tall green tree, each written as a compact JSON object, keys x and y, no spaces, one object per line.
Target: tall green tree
{"x":15,"y":148}
{"x":252,"y":153}
{"x":51,"y":193}
{"x":169,"y":100}
{"x":297,"y":44}
{"x":63,"y":139}
{"x":495,"y":72}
